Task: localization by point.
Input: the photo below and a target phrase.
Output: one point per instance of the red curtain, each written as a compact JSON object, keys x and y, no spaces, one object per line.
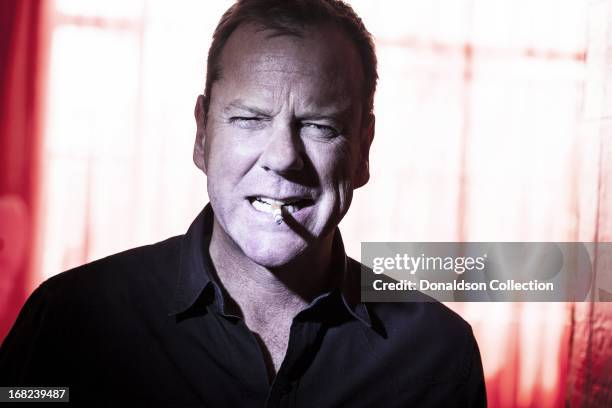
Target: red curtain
{"x":23,"y":48}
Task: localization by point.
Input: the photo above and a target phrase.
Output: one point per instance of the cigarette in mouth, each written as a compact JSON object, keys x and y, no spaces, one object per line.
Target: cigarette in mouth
{"x":277,"y":213}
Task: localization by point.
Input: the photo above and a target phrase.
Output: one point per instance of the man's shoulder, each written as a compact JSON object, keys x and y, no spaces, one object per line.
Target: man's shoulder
{"x":108,"y":306}
{"x":143,"y":271}
{"x":420,"y":319}
{"x":430,"y":318}
{"x":422,"y":338}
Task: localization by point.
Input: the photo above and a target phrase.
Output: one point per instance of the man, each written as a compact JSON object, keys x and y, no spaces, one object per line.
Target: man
{"x":257,"y":305}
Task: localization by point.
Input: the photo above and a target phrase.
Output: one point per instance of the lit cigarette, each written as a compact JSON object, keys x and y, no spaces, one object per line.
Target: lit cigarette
{"x":277,"y":213}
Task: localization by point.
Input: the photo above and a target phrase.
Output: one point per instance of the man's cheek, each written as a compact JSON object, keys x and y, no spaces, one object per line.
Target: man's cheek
{"x":335,"y":159}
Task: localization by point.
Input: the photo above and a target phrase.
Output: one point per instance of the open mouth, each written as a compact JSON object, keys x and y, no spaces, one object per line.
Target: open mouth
{"x":265,"y":204}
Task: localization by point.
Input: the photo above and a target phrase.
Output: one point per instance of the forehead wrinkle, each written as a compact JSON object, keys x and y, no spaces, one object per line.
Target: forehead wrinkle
{"x":272,"y":96}
{"x":268,"y":96}
{"x":307,"y":102}
{"x":294,"y":84}
{"x":283,"y":64}
{"x":242,"y":105}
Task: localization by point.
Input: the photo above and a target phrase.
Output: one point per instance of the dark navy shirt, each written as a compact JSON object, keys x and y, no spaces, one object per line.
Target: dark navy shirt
{"x":148,"y":327}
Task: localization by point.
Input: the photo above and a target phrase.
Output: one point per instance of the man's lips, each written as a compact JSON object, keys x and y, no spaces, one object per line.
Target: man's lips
{"x":289,"y":204}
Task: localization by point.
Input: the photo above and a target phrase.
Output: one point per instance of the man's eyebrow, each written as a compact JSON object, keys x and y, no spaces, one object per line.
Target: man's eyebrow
{"x":326,"y":114}
{"x":239,"y":104}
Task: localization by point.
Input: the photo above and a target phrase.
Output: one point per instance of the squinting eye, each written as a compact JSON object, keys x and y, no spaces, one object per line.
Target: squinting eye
{"x":247,"y":122}
{"x":318,"y":130}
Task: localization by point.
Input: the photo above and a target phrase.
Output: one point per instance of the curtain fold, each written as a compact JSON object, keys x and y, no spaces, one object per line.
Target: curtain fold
{"x":23,"y":49}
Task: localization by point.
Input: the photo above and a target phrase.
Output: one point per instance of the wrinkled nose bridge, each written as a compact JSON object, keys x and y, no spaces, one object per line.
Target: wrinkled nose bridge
{"x":283,"y":150}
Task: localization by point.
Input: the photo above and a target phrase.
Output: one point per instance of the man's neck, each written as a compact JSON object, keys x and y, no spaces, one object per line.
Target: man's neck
{"x":259,"y":291}
{"x":266,"y":299}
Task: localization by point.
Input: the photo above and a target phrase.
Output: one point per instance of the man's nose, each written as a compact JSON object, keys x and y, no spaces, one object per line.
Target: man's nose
{"x":284,"y":151}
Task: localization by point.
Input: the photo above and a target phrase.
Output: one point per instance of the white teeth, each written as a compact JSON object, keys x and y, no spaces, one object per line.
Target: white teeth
{"x":265,"y":205}
{"x":270,"y":201}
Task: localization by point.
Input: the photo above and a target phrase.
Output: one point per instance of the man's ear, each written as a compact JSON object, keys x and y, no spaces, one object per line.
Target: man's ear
{"x":198,"y":146}
{"x":362,"y":172}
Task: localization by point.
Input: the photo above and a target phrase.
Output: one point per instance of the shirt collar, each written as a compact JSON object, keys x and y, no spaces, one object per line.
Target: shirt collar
{"x":194,"y":263}
{"x":196,"y":269}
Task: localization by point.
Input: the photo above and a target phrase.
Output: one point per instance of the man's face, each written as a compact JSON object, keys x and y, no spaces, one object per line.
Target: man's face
{"x":284,"y":126}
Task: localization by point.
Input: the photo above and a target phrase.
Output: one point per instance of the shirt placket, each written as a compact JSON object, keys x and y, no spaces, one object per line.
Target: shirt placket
{"x":284,"y":388}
